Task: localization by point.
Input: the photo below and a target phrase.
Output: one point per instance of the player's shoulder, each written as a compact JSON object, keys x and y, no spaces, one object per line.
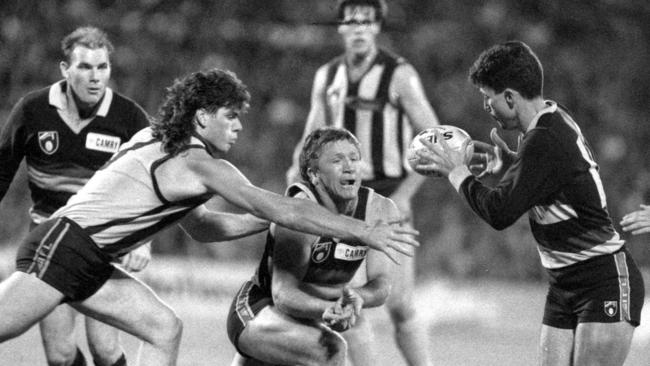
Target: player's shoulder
{"x":329,"y":67}
{"x":36,"y":98}
{"x":300,"y":190}
{"x":385,"y":54}
{"x":334,"y":61}
{"x":557,"y":124}
{"x":124,"y":103}
{"x":378,"y":203}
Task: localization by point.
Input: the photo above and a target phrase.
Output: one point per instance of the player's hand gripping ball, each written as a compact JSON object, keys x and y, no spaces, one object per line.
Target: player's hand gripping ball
{"x":454,"y":137}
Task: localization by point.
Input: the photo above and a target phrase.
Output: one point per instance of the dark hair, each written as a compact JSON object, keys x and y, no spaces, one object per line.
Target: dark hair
{"x":509,"y":65}
{"x":89,"y":37}
{"x":209,"y":90}
{"x":381,"y":9}
{"x":314,"y":143}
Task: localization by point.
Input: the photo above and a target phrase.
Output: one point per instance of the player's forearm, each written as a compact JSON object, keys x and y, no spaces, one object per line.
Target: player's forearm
{"x":220,"y":226}
{"x":374,"y":292}
{"x":306,"y":216}
{"x":299,"y":304}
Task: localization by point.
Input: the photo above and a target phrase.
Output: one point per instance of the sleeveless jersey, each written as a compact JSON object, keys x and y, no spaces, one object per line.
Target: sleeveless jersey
{"x":329,"y":257}
{"x":60,"y":160}
{"x":555,"y":179}
{"x":364,"y":107}
{"x":121,"y":205}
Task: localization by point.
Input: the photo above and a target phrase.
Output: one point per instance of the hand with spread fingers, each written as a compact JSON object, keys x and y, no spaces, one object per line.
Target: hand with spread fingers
{"x":490,"y":159}
{"x":637,"y":222}
{"x":391,"y":236}
{"x":441,"y":158}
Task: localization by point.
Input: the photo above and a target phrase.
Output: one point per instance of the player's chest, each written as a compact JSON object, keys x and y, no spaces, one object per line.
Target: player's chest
{"x":334,"y":261}
{"x":50,"y":138}
{"x":333,"y":250}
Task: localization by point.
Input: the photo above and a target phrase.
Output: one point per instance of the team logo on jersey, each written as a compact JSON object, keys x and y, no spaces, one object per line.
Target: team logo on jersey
{"x":320,"y":251}
{"x":48,"y":141}
{"x":350,"y":252}
{"x":610,"y":307}
{"x":101,"y":142}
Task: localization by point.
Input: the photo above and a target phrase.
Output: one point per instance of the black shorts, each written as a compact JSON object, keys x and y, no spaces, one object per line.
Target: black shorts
{"x":63,"y":256}
{"x":605,"y":289}
{"x":248,"y":302}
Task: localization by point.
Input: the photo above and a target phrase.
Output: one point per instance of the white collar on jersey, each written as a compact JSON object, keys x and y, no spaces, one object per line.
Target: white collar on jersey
{"x":58,"y":99}
{"x":551,"y":107}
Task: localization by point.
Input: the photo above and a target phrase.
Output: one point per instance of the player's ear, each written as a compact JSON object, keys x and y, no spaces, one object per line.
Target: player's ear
{"x":509,"y":97}
{"x":199,"y":117}
{"x":313,"y":177}
{"x":63,"y":67}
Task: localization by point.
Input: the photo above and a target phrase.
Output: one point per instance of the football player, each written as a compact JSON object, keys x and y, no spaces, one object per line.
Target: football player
{"x":596,"y":291}
{"x":291,"y":310}
{"x":65,"y":132}
{"x":161,"y":177}
{"x":379,"y":97}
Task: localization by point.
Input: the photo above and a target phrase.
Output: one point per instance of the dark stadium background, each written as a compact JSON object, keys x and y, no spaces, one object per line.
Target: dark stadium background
{"x":595,"y":53}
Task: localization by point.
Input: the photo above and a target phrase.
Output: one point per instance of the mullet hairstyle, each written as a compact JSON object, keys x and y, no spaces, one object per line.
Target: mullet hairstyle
{"x":314,"y":143}
{"x":509,"y":65}
{"x":209,"y":90}
{"x":89,"y":37}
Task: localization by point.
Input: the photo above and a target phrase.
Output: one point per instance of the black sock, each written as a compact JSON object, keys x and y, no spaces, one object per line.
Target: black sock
{"x":120,"y":361}
{"x":79,"y":359}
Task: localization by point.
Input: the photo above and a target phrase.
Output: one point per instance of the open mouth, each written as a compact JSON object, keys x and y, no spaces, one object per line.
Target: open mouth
{"x":348,"y":182}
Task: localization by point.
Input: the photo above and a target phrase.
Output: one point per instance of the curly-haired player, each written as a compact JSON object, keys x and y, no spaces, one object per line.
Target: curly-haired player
{"x":162,"y":176}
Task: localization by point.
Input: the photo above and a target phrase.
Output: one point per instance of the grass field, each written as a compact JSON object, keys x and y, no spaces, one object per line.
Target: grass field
{"x":470,"y":323}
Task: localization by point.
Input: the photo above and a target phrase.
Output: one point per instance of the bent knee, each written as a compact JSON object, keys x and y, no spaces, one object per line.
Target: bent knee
{"x":105,"y":350}
{"x":166,"y":327}
{"x":61,"y":356}
{"x":402,"y":312}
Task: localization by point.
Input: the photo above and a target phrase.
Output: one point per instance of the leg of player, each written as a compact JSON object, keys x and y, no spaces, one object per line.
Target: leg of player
{"x":555,"y":346}
{"x":410,"y":332}
{"x":362,"y":347}
{"x":104,"y":344}
{"x":128,"y":304}
{"x":58,"y":336}
{"x":24,"y":300}
{"x":277,"y":338}
{"x":600,"y":344}
{"x":362,"y":343}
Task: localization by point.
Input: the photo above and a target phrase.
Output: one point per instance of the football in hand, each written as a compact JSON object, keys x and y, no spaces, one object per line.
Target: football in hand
{"x":454,"y":137}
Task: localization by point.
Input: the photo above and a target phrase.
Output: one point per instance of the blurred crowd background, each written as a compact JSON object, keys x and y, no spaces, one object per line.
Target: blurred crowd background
{"x":595,"y":53}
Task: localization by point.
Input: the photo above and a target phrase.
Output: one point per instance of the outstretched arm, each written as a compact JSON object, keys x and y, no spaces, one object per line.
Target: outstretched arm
{"x":222,"y":178}
{"x":206,"y":226}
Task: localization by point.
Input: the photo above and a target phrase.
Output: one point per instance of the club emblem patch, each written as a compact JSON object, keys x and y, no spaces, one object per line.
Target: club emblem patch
{"x":320,"y":251}
{"x":610,"y":307}
{"x":48,"y":141}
